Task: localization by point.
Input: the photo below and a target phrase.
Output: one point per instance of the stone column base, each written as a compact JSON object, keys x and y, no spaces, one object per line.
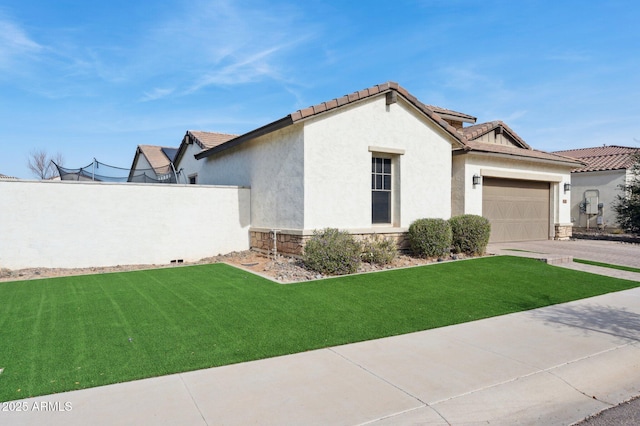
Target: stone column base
{"x":563,"y":231}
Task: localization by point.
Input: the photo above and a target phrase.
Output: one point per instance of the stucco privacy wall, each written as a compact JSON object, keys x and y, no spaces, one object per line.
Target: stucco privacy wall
{"x":467,"y":199}
{"x":608,"y":185}
{"x":338,"y":149}
{"x":78,"y":224}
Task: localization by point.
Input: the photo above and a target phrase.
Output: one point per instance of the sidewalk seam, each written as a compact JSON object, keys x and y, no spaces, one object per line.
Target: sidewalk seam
{"x":424,"y":404}
{"x":544,"y":370}
{"x":193,"y":399}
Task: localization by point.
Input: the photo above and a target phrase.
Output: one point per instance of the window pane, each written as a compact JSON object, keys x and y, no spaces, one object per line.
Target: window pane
{"x":378,"y":182}
{"x":380,"y":207}
{"x":387,"y":183}
{"x":373,"y":181}
{"x":373,"y":165}
{"x":387,"y":165}
{"x":378,"y":165}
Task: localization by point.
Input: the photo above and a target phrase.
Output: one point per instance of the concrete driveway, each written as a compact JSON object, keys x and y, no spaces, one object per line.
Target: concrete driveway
{"x":600,"y":251}
{"x":561,"y":253}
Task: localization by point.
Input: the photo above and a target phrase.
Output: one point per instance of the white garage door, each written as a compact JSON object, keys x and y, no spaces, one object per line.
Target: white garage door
{"x":517,"y":209}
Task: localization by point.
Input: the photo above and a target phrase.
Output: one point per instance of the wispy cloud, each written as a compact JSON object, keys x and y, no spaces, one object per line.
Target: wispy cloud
{"x":15,"y":43}
{"x":242,"y":70}
{"x":224,"y":43}
{"x":155,"y":94}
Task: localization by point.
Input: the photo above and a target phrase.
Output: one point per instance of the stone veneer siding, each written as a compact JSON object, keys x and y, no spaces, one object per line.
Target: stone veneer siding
{"x":293,"y":243}
{"x":563,"y":232}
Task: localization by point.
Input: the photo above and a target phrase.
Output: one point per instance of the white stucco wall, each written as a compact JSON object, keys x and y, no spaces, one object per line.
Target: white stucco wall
{"x":83,"y":224}
{"x":338,"y":165}
{"x":273,"y":166}
{"x":467,"y":199}
{"x":607,"y":183}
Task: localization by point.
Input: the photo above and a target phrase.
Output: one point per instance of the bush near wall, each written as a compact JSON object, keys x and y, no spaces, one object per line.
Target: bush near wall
{"x":379,"y":250}
{"x":334,"y":252}
{"x":430,"y":237}
{"x":470,"y":234}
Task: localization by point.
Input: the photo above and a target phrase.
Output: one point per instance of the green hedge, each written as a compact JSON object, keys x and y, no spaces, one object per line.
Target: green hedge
{"x":430,"y":237}
{"x":470,"y":234}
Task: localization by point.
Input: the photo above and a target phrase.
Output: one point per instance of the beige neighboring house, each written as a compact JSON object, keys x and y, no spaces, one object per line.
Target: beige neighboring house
{"x":594,"y":186}
{"x":153,"y":164}
{"x":375,"y":160}
{"x":194,"y":142}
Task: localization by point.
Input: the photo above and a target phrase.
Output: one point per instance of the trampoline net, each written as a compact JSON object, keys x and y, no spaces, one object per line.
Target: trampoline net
{"x":101,"y":172}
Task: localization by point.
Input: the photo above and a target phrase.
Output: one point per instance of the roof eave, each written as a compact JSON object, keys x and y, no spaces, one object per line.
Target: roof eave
{"x":135,"y":162}
{"x":181,"y":149}
{"x":468,"y":150}
{"x":261,"y":131}
{"x":334,"y":104}
{"x":613,"y":169}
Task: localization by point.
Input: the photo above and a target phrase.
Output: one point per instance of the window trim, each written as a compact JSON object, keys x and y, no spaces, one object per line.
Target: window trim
{"x":390,"y":190}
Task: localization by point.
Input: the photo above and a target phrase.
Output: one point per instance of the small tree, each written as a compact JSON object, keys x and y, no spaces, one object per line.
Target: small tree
{"x":41,"y":164}
{"x":627,"y":204}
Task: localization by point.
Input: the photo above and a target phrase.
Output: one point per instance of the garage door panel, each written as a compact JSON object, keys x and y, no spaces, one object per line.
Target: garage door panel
{"x":518,"y":210}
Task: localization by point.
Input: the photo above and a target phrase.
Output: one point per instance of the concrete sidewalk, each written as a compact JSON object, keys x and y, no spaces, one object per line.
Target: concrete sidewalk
{"x":552,"y":366}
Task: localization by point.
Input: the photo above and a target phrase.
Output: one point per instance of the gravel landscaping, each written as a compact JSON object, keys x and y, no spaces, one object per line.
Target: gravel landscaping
{"x":283,"y":269}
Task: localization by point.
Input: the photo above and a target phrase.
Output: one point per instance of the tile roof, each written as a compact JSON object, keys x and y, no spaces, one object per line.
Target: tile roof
{"x":5,"y":177}
{"x":448,"y":112}
{"x":473,"y":132}
{"x":603,"y":158}
{"x":156,"y":157}
{"x":373,"y":91}
{"x":208,"y":140}
{"x":463,"y":138}
{"x":515,"y":151}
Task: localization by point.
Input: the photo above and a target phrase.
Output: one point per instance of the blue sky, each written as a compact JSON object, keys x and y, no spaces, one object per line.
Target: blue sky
{"x":97,"y":78}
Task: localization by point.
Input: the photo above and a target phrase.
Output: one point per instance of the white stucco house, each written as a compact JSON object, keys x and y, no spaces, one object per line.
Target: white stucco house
{"x":595,"y":186}
{"x":376,"y":160}
{"x":193,"y":143}
{"x":153,"y":164}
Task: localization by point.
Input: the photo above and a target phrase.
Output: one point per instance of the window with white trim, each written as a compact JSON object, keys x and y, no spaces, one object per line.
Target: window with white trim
{"x":381,"y":186}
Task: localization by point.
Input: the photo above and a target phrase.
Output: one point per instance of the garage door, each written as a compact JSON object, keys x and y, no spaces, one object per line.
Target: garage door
{"x":517,"y":209}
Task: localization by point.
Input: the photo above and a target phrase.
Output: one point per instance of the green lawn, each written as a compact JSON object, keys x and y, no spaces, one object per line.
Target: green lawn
{"x":76,"y":332}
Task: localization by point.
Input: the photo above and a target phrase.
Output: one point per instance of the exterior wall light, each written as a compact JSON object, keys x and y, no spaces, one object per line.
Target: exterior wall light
{"x":476,"y":180}
{"x":567,"y":187}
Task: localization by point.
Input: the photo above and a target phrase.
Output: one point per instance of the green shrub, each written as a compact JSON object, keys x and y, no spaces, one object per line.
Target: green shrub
{"x":379,"y":250}
{"x":430,"y":237}
{"x":334,"y":252}
{"x":470,"y":233}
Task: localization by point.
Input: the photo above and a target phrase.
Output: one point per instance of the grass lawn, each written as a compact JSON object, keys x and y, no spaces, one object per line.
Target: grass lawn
{"x":70,"y":333}
{"x":607,"y":265}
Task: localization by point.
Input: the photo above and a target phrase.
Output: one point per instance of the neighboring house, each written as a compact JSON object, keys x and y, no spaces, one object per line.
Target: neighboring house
{"x":153,"y":164}
{"x":5,"y":177}
{"x":376,"y":160}
{"x":194,"y":142}
{"x":594,"y":187}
